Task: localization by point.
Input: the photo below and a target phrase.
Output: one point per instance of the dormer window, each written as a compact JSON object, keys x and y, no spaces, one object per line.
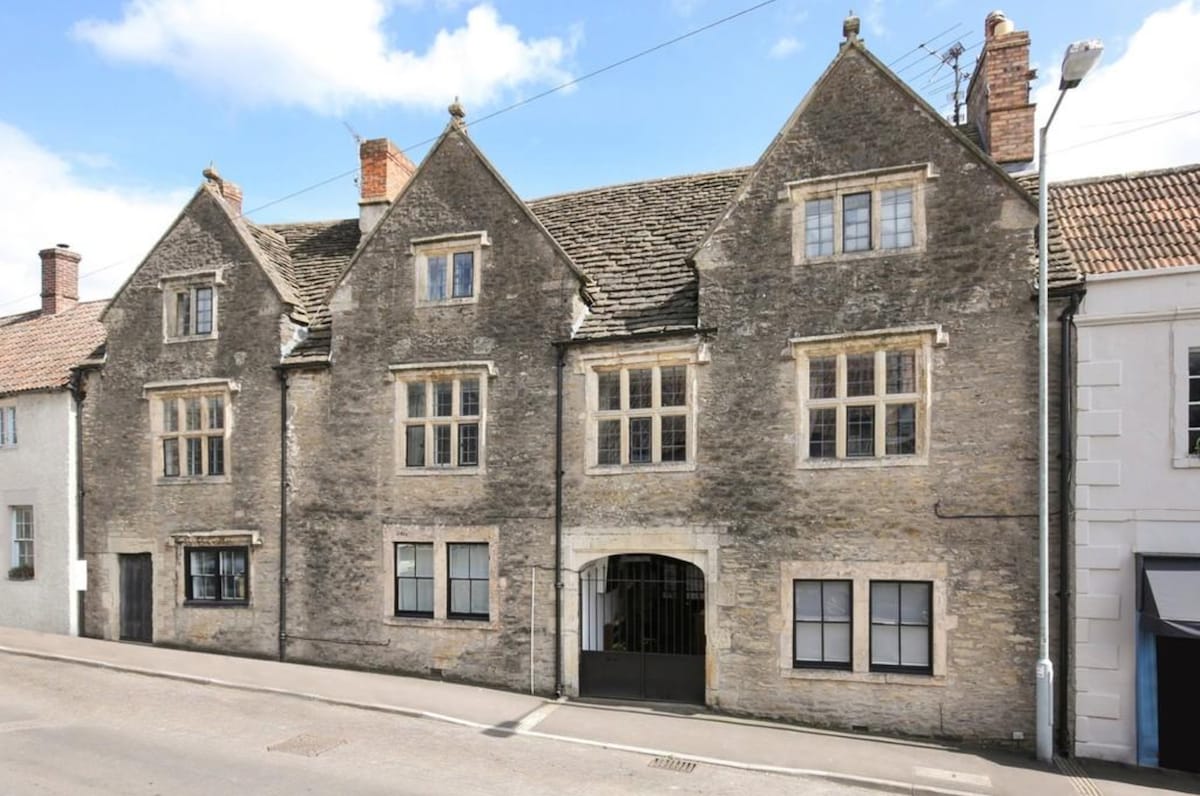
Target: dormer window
{"x":448,"y":268}
{"x":190,"y":307}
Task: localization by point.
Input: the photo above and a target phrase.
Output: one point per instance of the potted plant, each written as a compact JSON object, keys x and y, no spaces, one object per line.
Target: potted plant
{"x":22,"y":572}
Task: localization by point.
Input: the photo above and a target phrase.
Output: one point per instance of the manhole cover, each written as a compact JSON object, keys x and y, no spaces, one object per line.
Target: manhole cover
{"x":306,"y":745}
{"x":673,"y":764}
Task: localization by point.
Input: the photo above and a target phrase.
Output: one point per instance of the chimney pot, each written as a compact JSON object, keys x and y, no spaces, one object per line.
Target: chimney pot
{"x":60,"y":279}
{"x":998,"y":103}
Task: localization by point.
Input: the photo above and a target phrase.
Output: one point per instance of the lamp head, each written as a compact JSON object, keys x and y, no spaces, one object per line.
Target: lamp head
{"x":1078,"y":61}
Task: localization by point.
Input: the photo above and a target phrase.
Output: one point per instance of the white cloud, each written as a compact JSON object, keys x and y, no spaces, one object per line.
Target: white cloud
{"x":325,"y":56}
{"x":784,"y":47}
{"x":1151,"y":82}
{"x":873,"y":18}
{"x":45,"y":202}
{"x":685,"y":8}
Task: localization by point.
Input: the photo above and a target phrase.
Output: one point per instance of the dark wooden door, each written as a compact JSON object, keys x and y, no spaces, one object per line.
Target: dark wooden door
{"x":1178,"y":702}
{"x":137,"y":596}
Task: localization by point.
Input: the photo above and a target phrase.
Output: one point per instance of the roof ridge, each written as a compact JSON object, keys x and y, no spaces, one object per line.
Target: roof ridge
{"x":637,"y":183}
{"x":37,"y":313}
{"x":326,"y":222}
{"x":1127,"y":175}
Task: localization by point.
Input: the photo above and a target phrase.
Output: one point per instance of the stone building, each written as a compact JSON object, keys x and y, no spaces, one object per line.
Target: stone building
{"x":761,"y":439}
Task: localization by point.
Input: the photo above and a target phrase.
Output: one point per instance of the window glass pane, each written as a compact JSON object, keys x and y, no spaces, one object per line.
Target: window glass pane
{"x":856,"y":222}
{"x":896,"y":223}
{"x":885,"y":603}
{"x":640,"y":384}
{"x":807,"y":594}
{"x":1194,"y":389}
{"x":479,"y":597}
{"x":914,"y":646}
{"x":443,"y":398}
{"x":479,"y":560}
{"x":414,"y":448}
{"x":425,"y":595}
{"x":901,"y":372}
{"x":204,"y":562}
{"x":460,"y":560}
{"x":204,"y":588}
{"x":860,"y":374}
{"x":822,"y":377}
{"x":674,"y":386}
{"x":808,"y":641}
{"x":192,"y":414}
{"x":183,"y":313}
{"x":639,"y":439}
{"x":436,"y":277}
{"x":195,"y":456}
{"x":408,"y":594}
{"x":860,"y":431}
{"x":460,"y":596}
{"x":469,"y":397}
{"x":416,"y":398}
{"x":837,"y":642}
{"x":901,"y":429}
{"x":1194,"y":362}
{"x":406,"y":561}
{"x":203,"y":310}
{"x":441,"y":444}
{"x":1194,"y":442}
{"x":608,"y":442}
{"x":171,"y":457}
{"x":216,"y":456}
{"x":170,"y":408}
{"x":818,"y":227}
{"x":836,"y":600}
{"x":674,"y":438}
{"x":885,"y":646}
{"x":822,"y":433}
{"x":216,"y":412}
{"x":468,"y":444}
{"x":1193,"y":416}
{"x":424,"y":560}
{"x":608,"y":385}
{"x":914,"y":603}
{"x":464,"y":274}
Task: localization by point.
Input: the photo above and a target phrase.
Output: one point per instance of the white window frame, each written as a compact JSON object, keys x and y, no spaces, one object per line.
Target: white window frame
{"x":421,"y":249}
{"x":22,"y":541}
{"x":428,"y":373}
{"x":836,"y":188}
{"x":592,"y":365}
{"x":174,"y":284}
{"x":180,"y":393}
{"x":8,"y":426}
{"x":441,"y":537}
{"x":861,"y":575}
{"x":921,"y":340}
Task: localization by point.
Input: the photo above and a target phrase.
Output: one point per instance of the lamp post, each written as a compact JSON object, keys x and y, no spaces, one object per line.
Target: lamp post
{"x":1077,"y":62}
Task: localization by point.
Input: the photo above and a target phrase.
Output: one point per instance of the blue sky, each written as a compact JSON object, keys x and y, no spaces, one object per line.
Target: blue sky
{"x":109,"y":109}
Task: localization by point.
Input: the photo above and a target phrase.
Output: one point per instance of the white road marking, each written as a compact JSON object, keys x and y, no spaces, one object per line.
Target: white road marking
{"x":536,"y":717}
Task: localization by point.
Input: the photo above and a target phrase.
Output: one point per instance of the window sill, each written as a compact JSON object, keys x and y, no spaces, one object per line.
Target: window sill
{"x":1185,"y":462}
{"x":20,"y":578}
{"x":631,"y":469}
{"x":441,"y":623}
{"x":882,"y":678}
{"x":851,"y":464}
{"x":869,"y":254}
{"x":192,"y":479}
{"x":441,"y":471}
{"x":191,"y":338}
{"x":216,"y":603}
{"x":450,"y":302}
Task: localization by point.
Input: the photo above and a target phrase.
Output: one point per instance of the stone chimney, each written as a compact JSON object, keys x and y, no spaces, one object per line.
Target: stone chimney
{"x":385,"y":171}
{"x":230,"y":192}
{"x":998,"y":104}
{"x":60,"y":279}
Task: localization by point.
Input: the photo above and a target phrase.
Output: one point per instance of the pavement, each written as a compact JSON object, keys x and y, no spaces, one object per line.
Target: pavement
{"x":895,"y":765}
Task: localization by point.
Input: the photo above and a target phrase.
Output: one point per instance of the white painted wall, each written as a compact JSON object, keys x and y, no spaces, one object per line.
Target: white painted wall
{"x":40,"y":472}
{"x":1137,"y":490}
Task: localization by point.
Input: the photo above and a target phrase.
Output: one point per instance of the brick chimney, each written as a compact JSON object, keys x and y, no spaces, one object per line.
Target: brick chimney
{"x":385,"y":171}
{"x":229,"y":191}
{"x":60,"y":279}
{"x":998,"y":104}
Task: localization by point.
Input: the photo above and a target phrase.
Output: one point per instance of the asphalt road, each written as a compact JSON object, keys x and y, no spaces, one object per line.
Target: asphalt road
{"x":70,"y":729}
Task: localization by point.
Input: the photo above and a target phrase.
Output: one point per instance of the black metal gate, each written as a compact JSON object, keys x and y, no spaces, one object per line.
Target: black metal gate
{"x":137,"y":595}
{"x":642,"y":629}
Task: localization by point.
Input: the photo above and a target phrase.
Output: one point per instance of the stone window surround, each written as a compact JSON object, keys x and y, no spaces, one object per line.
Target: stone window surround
{"x":861,"y":573}
{"x":423,"y":371}
{"x":420,"y":249}
{"x":154,"y":392}
{"x":170,"y":284}
{"x":8,"y":422}
{"x":923,"y":338}
{"x":691,"y":355}
{"x":182,"y":540}
{"x":440,"y":536}
{"x":797,"y":192}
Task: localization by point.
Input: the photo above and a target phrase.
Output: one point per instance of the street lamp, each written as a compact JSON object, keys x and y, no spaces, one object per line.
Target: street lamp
{"x":1077,"y":62}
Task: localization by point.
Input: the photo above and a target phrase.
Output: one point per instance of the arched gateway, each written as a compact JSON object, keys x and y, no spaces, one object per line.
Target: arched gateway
{"x":642,"y":629}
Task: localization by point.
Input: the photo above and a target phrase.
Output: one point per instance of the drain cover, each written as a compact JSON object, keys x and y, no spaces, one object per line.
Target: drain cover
{"x":673,"y":764}
{"x":306,"y":745}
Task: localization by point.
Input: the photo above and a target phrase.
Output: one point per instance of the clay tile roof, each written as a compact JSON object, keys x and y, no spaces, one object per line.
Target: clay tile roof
{"x":634,"y":240}
{"x":1062,"y":268}
{"x":38,"y":351}
{"x":1131,"y":222}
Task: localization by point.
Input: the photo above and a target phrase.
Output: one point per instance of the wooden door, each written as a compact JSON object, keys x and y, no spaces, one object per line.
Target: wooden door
{"x":137,"y":595}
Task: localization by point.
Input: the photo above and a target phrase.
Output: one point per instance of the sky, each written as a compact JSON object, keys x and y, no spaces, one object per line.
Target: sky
{"x":111,"y":109}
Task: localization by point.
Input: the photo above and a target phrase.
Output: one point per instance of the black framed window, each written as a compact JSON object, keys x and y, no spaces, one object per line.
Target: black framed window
{"x":1194,"y":401}
{"x":468,"y":580}
{"x":414,"y":579}
{"x":902,"y":626}
{"x":823,"y":628}
{"x":217,"y":575}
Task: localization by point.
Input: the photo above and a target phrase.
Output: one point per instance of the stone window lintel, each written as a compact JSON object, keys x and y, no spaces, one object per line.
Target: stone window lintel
{"x":223,"y":538}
